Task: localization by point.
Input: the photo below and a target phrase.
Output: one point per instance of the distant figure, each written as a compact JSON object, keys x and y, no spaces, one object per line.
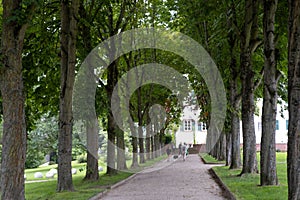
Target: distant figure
{"x":179,"y":148}
{"x":183,"y":151}
{"x":169,"y":153}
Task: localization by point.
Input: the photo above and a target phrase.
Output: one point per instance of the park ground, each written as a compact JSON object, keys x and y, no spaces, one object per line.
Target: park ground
{"x":175,"y":179}
{"x":162,"y":179}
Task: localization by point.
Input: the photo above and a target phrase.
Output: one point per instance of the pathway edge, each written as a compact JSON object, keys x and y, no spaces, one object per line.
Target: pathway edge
{"x":228,"y":194}
{"x":101,"y":194}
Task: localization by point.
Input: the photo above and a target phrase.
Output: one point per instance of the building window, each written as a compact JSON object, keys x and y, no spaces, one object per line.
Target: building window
{"x":287,"y":124}
{"x":204,"y":127}
{"x":277,"y":125}
{"x":199,"y":126}
{"x":187,"y":125}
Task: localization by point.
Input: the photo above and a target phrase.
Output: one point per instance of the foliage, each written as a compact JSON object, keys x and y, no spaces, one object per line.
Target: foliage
{"x":41,"y":141}
{"x":82,"y":158}
{"x":34,"y":157}
{"x":41,"y":63}
{"x":167,"y":139}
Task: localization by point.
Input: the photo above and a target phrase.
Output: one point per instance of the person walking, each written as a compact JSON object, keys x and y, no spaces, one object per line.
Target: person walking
{"x":184,"y":151}
{"x":179,"y":149}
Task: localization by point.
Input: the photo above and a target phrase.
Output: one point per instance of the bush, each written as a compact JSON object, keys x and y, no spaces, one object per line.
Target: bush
{"x":168,"y":139}
{"x":82,"y":158}
{"x":34,"y":157}
{"x":31,"y":163}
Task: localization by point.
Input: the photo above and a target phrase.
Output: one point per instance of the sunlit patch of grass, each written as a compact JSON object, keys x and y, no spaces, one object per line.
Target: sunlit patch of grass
{"x":209,"y":159}
{"x":83,"y":189}
{"x":247,"y":186}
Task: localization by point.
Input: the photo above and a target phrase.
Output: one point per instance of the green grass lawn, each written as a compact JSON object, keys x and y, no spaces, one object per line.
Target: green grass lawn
{"x":46,"y":190}
{"x":209,"y":159}
{"x":247,"y":186}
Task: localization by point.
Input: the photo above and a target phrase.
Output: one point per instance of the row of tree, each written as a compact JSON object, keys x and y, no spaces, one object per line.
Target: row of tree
{"x":250,"y":47}
{"x":38,"y":72}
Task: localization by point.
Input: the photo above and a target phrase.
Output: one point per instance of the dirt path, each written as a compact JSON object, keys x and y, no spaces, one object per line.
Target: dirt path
{"x":188,"y":180}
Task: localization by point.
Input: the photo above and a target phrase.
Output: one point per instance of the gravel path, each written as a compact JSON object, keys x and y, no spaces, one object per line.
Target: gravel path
{"x":188,"y":180}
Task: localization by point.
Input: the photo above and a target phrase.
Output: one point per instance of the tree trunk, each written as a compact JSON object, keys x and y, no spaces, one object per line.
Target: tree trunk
{"x":235,"y":100}
{"x":248,"y":46}
{"x":222,"y":150}
{"x":69,"y":12}
{"x":121,"y":161}
{"x":91,"y":120}
{"x":111,"y":141}
{"x":293,"y":157}
{"x":92,"y":150}
{"x":140,"y":121}
{"x":152,"y":155}
{"x":228,"y":149}
{"x":157,"y":152}
{"x":112,"y":79}
{"x":134,"y":142}
{"x":134,"y":152}
{"x":268,"y":174}
{"x":235,"y":141}
{"x":249,"y":140}
{"x":148,"y":139}
{"x":141,"y":145}
{"x":13,"y":102}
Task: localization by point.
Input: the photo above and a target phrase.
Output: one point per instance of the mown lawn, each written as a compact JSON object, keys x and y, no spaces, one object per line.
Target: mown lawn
{"x":209,"y":159}
{"x":46,"y":190}
{"x":247,"y":186}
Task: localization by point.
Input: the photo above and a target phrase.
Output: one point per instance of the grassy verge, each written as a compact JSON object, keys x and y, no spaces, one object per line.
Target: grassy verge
{"x":247,"y":186}
{"x":209,"y":159}
{"x":46,"y":188}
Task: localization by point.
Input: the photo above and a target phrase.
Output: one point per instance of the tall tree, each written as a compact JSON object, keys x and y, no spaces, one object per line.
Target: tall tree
{"x":293,"y":165}
{"x":15,"y":22}
{"x":234,"y":91}
{"x":69,"y":12}
{"x":268,"y":175}
{"x":249,"y":43}
{"x":88,"y":12}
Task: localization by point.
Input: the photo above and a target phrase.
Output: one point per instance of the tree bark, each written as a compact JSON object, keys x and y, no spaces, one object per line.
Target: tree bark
{"x":140,"y":123}
{"x":268,"y":174}
{"x":134,"y":152}
{"x":156,"y":144}
{"x":248,"y":46}
{"x":228,"y":149}
{"x":121,"y":160}
{"x":152,"y":155}
{"x":134,"y":142}
{"x":235,"y":99}
{"x":111,"y":136}
{"x":141,"y":145}
{"x":92,"y":150}
{"x":293,"y":157}
{"x":13,"y":102}
{"x":222,"y":150}
{"x":69,"y":12}
{"x":235,"y":141}
{"x":148,"y":139}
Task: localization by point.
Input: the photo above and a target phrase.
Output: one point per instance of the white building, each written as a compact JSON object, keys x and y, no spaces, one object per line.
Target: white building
{"x":191,"y":131}
{"x":282,"y":121}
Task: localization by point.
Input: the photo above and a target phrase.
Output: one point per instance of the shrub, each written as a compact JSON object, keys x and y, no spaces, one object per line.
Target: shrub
{"x":82,"y":158}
